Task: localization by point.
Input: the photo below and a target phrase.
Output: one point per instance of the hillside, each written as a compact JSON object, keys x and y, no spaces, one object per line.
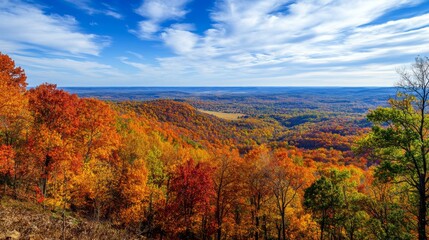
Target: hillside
{"x":202,"y":128}
{"x":306,"y":130}
{"x":25,"y":220}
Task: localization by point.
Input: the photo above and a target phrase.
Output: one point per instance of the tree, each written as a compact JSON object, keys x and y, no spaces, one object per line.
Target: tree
{"x":324,"y":199}
{"x":13,"y":76}
{"x":257,"y":180}
{"x":14,"y":115}
{"x":55,"y":124}
{"x":400,"y":136}
{"x":97,"y":133}
{"x":227,"y":188}
{"x":192,"y":189}
{"x":131,"y":192}
{"x":132,"y":176}
{"x":384,"y":203}
{"x":288,"y":179}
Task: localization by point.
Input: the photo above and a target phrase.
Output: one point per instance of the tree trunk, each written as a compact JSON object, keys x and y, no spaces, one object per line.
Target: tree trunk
{"x":64,"y":222}
{"x":4,"y":191}
{"x":48,"y":160}
{"x":218,"y":218}
{"x":283,"y":225}
{"x":219,"y":232}
{"x":279,"y":231}
{"x":15,"y":193}
{"x":257,"y":228}
{"x":422,"y":209}
{"x":265,"y":227}
{"x":322,"y":226}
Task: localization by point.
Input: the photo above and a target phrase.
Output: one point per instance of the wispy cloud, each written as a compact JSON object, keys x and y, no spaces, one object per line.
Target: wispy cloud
{"x":29,"y":28}
{"x":155,"y":13}
{"x":269,"y":40}
{"x":88,"y":7}
{"x":50,"y":47}
{"x":71,"y":72}
{"x":298,"y":31}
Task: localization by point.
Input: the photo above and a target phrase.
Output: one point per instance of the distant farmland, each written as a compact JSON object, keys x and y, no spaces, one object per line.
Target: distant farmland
{"x":227,"y":116}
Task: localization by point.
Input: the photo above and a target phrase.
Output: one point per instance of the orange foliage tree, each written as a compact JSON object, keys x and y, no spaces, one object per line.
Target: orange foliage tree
{"x":228,"y":190}
{"x":14,"y":117}
{"x":289,"y":179}
{"x":51,"y":141}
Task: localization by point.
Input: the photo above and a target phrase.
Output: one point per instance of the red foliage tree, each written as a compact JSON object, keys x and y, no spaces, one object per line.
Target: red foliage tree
{"x":188,"y":210}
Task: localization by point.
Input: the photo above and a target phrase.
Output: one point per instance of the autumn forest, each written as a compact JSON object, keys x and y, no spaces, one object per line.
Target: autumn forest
{"x":165,"y":169}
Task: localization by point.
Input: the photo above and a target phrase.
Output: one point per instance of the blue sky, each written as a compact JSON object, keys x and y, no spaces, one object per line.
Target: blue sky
{"x":214,"y":43}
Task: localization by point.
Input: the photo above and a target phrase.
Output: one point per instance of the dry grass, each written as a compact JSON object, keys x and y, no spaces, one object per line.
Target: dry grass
{"x":24,"y":220}
{"x":227,"y":116}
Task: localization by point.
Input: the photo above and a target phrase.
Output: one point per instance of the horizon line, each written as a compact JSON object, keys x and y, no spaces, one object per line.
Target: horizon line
{"x":193,"y":86}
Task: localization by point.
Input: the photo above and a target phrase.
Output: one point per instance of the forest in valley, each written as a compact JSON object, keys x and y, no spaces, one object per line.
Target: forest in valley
{"x":162,"y":169}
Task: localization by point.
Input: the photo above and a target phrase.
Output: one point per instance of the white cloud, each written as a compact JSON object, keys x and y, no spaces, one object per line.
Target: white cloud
{"x":50,"y":47}
{"x":137,"y":55}
{"x":161,"y":10}
{"x":113,"y":14}
{"x":156,"y":12}
{"x":86,"y":5}
{"x":209,"y":73}
{"x":265,"y":26}
{"x":304,"y":42}
{"x":83,"y":4}
{"x":181,"y":41}
{"x":28,"y":27}
{"x":146,"y":29}
{"x":67,"y":71}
